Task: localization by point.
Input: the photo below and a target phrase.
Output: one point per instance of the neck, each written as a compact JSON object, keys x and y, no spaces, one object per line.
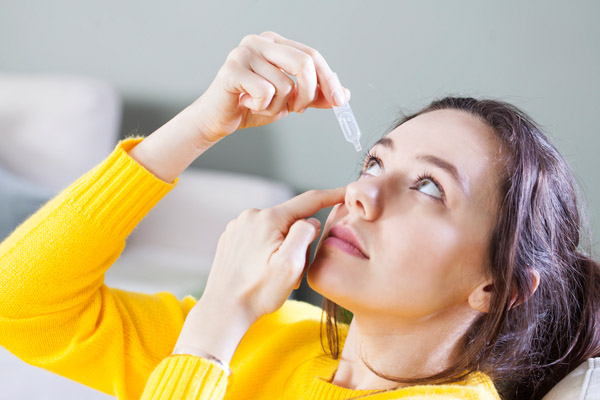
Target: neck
{"x":404,"y":349}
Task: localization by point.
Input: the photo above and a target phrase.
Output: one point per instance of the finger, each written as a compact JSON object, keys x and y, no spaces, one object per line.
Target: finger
{"x":322,"y":102}
{"x":284,"y":85}
{"x":306,"y":204}
{"x":297,"y":63}
{"x":299,"y":281}
{"x":293,"y":249}
{"x":328,"y":81}
{"x":265,"y":117}
{"x":317,"y":224}
{"x":259,"y":91}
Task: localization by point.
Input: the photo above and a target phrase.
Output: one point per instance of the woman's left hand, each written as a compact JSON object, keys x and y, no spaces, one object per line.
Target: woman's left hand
{"x":262,"y":255}
{"x":260,"y":258}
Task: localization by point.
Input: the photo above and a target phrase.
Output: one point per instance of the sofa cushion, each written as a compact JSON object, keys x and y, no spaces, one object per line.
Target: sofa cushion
{"x":19,"y":199}
{"x":583,"y":383}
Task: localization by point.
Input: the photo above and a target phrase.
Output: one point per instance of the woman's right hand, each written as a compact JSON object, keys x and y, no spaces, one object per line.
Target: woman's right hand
{"x":253,"y":88}
{"x":250,"y":89}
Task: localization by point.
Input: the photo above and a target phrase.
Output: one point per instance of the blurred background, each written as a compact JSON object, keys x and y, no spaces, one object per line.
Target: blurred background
{"x":75,"y":76}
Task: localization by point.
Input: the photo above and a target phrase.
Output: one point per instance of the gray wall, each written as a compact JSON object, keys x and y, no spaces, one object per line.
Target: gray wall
{"x":396,"y":55}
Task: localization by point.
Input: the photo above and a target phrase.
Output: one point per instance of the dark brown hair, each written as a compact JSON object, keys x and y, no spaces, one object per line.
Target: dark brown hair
{"x":525,"y":349}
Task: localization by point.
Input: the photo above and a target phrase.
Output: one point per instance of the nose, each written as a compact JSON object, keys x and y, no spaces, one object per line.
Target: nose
{"x":363,"y":197}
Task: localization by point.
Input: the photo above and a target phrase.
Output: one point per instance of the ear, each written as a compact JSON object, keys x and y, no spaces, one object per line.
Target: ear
{"x":479,"y":299}
{"x":535,"y":282}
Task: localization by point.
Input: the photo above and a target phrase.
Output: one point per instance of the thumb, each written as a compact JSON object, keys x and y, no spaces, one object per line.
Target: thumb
{"x":293,"y":249}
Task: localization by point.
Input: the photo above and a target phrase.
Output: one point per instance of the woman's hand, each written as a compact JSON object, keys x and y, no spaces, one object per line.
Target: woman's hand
{"x":260,"y":258}
{"x":250,"y":89}
{"x":253,"y":88}
{"x":262,"y":255}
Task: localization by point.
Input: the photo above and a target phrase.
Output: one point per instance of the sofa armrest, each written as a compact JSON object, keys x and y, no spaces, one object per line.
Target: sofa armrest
{"x":55,"y":128}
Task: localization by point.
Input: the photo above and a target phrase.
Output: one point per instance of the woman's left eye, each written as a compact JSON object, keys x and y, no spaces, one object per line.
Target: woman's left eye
{"x":429,"y":187}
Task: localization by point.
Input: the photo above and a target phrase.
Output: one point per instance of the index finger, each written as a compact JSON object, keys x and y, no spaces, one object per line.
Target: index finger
{"x":307,"y":203}
{"x":330,"y":84}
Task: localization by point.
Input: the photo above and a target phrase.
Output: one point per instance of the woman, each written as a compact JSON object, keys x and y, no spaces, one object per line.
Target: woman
{"x":456,"y":251}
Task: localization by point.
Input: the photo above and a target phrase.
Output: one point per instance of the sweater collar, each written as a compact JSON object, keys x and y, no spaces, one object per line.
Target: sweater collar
{"x":313,"y":380}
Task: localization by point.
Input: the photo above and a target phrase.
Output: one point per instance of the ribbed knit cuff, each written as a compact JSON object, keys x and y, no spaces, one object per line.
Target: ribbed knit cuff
{"x":119,"y":192}
{"x":185,"y":377}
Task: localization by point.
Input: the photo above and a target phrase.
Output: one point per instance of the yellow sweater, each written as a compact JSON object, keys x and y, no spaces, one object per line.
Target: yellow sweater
{"x":56,"y":312}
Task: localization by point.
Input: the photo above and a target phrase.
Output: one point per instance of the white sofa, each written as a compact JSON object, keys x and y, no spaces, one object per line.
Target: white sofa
{"x":54,"y":129}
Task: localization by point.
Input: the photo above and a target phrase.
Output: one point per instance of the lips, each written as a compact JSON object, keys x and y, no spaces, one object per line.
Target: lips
{"x":344,"y":239}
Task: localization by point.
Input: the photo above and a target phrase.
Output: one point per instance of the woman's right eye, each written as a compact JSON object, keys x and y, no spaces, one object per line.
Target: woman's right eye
{"x":372,"y":167}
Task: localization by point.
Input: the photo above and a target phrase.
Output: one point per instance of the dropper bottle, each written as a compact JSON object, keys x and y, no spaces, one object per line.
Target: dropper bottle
{"x":347,"y":122}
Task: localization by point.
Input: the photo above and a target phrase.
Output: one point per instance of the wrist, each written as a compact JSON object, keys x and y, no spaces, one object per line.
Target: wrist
{"x":186,"y":350}
{"x":215,"y":328}
{"x":169,"y":150}
{"x":208,"y":132}
{"x":202,"y":137}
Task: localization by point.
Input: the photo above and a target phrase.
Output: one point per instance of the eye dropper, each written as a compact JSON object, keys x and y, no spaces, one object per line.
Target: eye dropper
{"x":347,"y":122}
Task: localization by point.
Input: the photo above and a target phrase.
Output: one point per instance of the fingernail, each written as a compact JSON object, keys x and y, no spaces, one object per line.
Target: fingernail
{"x":314,"y":222}
{"x":347,"y":93}
{"x":338,"y":98}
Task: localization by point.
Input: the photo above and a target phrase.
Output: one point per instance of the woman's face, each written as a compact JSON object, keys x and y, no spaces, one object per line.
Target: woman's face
{"x":411,"y":238}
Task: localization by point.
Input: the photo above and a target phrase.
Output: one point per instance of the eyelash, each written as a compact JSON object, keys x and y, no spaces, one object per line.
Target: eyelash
{"x":370,"y":156}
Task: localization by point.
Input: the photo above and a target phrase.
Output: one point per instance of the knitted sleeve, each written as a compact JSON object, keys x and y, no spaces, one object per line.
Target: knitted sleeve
{"x":55,"y":310}
{"x":186,"y":377}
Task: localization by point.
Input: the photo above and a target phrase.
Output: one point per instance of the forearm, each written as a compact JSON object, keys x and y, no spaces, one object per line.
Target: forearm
{"x":169,"y":150}
{"x":52,"y":269}
{"x":59,"y":255}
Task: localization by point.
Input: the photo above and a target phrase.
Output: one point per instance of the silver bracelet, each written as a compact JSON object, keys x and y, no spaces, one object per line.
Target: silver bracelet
{"x":202,"y":354}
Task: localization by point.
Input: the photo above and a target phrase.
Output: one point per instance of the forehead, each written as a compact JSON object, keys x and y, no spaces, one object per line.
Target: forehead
{"x":457,"y":137}
{"x":448,"y":131}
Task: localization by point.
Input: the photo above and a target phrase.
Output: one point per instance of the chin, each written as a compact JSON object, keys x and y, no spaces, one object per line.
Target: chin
{"x":328,"y":276}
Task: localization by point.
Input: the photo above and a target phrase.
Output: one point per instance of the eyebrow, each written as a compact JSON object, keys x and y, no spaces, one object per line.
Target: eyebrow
{"x":460,"y":178}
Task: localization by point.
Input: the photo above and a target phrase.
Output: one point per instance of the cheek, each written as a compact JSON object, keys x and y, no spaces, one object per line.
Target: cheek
{"x":421,"y":264}
{"x":426,"y":242}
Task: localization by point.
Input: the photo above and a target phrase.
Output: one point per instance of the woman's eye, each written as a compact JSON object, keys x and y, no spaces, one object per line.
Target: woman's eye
{"x":372,"y":167}
{"x":428,"y":187}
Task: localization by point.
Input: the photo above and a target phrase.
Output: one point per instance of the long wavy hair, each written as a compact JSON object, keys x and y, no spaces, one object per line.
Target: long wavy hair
{"x":525,"y":349}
